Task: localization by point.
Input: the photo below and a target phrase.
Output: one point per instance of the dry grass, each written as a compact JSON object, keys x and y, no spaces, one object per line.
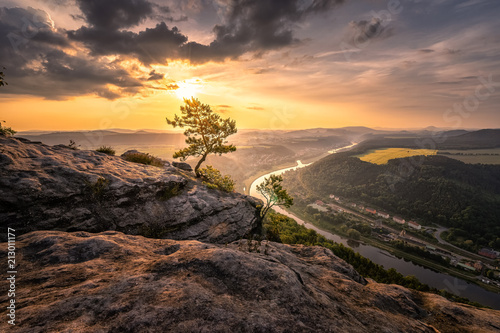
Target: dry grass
{"x":146,"y":159}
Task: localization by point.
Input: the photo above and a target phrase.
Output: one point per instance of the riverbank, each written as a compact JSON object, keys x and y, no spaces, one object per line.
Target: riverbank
{"x":285,"y":166}
{"x":455,"y":282}
{"x":370,"y":241}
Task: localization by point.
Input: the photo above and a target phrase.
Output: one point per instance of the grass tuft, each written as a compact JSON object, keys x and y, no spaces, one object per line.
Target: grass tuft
{"x":144,"y":158}
{"x":106,"y":150}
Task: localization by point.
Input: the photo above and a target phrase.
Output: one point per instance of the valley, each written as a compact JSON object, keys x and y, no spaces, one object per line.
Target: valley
{"x":330,"y":212}
{"x":364,"y":176}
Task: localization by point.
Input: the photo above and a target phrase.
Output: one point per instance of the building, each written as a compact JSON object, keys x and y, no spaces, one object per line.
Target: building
{"x":384,"y":215}
{"x":399,"y":220}
{"x":335,"y":208}
{"x":319,"y":203}
{"x":352,"y":204}
{"x":371,"y":210}
{"x":478,"y":266}
{"x":414,"y":225}
{"x":488,"y":253}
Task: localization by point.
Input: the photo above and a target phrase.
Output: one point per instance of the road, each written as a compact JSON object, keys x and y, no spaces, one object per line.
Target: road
{"x":470,"y":255}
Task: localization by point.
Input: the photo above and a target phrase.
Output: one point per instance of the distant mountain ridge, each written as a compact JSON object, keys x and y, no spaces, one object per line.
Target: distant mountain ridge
{"x":117,"y":136}
{"x":455,"y":139}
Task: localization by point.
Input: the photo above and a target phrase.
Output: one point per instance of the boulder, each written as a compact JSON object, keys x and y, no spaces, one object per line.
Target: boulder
{"x":57,"y":188}
{"x":130,"y":152}
{"x":182,"y":166}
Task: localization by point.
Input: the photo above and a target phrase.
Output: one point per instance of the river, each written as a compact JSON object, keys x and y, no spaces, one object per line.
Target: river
{"x":452,"y":284}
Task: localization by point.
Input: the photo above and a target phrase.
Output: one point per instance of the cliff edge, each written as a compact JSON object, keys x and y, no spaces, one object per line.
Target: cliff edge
{"x":57,"y":188}
{"x":83,"y":265}
{"x":112,"y":282}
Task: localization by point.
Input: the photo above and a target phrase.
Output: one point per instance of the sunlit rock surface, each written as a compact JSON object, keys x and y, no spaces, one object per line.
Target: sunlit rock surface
{"x":56,"y":188}
{"x":112,"y":282}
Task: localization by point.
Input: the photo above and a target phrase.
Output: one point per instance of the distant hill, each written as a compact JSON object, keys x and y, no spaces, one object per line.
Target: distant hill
{"x":438,"y":189}
{"x":486,"y":137}
{"x":455,"y":139}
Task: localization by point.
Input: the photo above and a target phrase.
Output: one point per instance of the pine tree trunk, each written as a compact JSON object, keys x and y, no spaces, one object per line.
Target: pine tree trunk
{"x":199,"y":164}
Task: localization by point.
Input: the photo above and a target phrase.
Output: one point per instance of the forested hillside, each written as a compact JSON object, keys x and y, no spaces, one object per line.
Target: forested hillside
{"x":433,"y":189}
{"x":482,"y":139}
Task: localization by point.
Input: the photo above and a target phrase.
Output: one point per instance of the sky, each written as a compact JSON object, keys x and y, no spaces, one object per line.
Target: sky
{"x":281,"y":64}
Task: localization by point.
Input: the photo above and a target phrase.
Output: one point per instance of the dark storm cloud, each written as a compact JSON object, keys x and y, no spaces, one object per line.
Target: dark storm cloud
{"x":365,"y":31}
{"x":105,"y":32}
{"x":153,"y":45}
{"x":153,"y":76}
{"x":115,"y":14}
{"x":253,"y":25}
{"x":37,"y":64}
{"x":250,"y":26}
{"x":42,"y":60}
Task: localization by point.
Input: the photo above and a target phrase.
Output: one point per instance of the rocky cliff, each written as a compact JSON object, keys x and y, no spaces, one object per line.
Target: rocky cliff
{"x":57,"y":188}
{"x":112,"y":282}
{"x":81,"y":267}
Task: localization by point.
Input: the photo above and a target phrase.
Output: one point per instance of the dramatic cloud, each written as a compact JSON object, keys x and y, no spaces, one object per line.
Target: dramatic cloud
{"x":154,"y":45}
{"x":153,"y":76}
{"x":115,"y":14}
{"x":255,"y":26}
{"x":251,"y":26}
{"x":37,"y":62}
{"x":56,"y":66}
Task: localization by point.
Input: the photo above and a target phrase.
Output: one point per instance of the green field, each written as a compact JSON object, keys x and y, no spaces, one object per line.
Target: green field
{"x":382,"y":156}
{"x":474,"y":156}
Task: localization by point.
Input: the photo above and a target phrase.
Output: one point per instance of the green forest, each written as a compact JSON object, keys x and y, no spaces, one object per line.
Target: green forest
{"x":432,"y":189}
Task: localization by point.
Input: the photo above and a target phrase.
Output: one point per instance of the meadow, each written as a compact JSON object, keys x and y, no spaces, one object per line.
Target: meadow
{"x":382,"y":156}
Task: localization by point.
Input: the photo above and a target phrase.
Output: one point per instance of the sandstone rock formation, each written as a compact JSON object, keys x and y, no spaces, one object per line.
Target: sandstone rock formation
{"x":183,"y":166}
{"x":57,"y":188}
{"x":112,"y":282}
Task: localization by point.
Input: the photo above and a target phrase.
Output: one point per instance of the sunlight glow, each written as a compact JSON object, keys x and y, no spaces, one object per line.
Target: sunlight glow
{"x":188,"y":88}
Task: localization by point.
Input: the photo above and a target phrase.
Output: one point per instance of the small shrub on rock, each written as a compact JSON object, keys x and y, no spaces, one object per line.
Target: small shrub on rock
{"x":72,"y":145}
{"x":213,"y":179}
{"x":106,"y":150}
{"x":144,"y":158}
{"x":6,"y":131}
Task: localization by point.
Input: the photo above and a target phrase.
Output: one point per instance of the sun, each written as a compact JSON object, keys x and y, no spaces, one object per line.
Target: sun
{"x":187,"y":89}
